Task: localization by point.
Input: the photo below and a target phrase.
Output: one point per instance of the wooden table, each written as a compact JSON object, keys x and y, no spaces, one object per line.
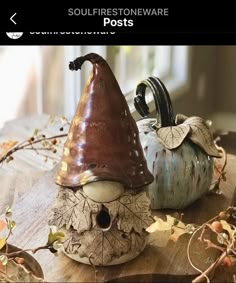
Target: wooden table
{"x":167,"y":264}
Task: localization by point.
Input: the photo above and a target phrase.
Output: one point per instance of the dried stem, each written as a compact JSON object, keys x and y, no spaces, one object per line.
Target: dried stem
{"x":222,"y":170}
{"x":29,"y":146}
{"x":213,"y":266}
{"x":5,"y":277}
{"x":205,"y":274}
{"x":212,"y":245}
{"x":13,"y":254}
{"x":189,"y":258}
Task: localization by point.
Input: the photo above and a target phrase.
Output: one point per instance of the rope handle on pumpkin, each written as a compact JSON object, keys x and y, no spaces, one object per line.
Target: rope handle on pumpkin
{"x":165,"y":114}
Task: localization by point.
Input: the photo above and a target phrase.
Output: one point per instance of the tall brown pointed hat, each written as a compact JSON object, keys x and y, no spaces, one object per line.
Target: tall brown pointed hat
{"x":103,"y":140}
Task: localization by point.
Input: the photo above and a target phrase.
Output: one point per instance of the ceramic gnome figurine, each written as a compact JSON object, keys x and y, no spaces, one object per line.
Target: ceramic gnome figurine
{"x":102,"y":205}
{"x":179,"y":150}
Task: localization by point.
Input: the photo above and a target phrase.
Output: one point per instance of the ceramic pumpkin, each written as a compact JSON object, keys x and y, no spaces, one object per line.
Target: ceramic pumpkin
{"x":102,"y":205}
{"x":179,"y":151}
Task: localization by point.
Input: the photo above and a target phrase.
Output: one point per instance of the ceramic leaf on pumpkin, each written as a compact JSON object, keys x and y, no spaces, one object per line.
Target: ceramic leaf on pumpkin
{"x":201,"y":135}
{"x":173,"y":136}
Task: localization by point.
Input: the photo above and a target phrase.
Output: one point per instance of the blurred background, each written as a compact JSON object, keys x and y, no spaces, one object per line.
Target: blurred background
{"x":201,"y":79}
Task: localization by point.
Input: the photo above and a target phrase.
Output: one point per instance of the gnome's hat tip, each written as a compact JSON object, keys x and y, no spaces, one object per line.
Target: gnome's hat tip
{"x":78,"y":62}
{"x":75,"y":65}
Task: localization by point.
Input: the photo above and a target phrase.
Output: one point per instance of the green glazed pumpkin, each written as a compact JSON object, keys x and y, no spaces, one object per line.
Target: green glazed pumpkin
{"x":182,"y":174}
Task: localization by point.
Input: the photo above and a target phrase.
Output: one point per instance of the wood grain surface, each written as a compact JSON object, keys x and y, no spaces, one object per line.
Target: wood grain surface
{"x":167,"y":264}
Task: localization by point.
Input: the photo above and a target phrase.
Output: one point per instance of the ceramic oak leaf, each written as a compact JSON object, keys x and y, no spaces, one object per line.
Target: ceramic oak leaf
{"x":100,"y":246}
{"x":68,"y":206}
{"x":135,"y":213}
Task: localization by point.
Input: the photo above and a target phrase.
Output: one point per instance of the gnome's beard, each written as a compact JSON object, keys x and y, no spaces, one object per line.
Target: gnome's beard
{"x":102,"y":233}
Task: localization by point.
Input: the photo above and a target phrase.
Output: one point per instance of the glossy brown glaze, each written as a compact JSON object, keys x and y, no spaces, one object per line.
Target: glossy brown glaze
{"x":103,"y":141}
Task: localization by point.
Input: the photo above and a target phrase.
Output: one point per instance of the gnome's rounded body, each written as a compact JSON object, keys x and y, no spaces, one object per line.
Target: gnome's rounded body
{"x":102,"y":204}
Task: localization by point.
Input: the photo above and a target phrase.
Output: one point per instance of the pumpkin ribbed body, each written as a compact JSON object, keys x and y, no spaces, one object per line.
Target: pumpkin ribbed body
{"x":181,"y":176}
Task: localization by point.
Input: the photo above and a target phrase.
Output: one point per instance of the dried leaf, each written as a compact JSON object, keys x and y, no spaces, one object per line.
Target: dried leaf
{"x":8,"y":212}
{"x":2,"y":242}
{"x":160,"y":233}
{"x":178,"y":230}
{"x":163,"y":231}
{"x":57,"y":245}
{"x":6,"y":146}
{"x":226,"y":226}
{"x":2,"y":225}
{"x":3,"y":259}
{"x":36,"y":132}
{"x":11,"y":224}
{"x":68,"y":206}
{"x":173,"y":136}
{"x":53,"y":237}
{"x":200,"y":134}
{"x":2,"y":269}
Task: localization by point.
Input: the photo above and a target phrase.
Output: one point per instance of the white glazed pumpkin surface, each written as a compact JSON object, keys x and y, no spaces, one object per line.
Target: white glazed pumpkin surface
{"x":181,"y":176}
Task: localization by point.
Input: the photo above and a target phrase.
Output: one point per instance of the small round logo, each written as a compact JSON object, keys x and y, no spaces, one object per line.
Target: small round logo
{"x":14,"y":35}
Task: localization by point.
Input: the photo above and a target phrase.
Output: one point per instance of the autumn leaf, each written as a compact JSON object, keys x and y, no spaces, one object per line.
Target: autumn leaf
{"x":2,"y":242}
{"x":177,"y":231}
{"x":53,"y":237}
{"x":2,"y":225}
{"x":172,"y":137}
{"x":161,"y":232}
{"x":11,"y":224}
{"x":200,"y":134}
{"x":228,"y":227}
{"x":2,"y":269}
{"x":68,"y":207}
{"x":6,"y":146}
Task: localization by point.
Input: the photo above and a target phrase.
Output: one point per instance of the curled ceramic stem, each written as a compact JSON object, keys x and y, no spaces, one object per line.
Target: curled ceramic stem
{"x":165,"y":115}
{"x":78,"y":62}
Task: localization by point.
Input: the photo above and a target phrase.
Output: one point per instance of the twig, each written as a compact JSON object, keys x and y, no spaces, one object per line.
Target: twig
{"x":211,"y":245}
{"x":222,"y":170}
{"x":212,"y":266}
{"x":12,"y":254}
{"x":188,"y":255}
{"x":28,"y":145}
{"x":204,"y":274}
{"x":5,"y":277}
